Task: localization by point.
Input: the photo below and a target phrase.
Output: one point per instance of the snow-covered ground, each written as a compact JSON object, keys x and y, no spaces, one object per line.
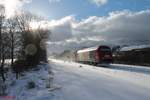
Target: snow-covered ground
{"x":85,"y":82}
{"x":132,"y":68}
{"x":19,"y":89}
{"x":73,"y":81}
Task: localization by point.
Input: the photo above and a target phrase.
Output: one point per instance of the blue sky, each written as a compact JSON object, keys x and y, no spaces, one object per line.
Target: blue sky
{"x":83,"y":8}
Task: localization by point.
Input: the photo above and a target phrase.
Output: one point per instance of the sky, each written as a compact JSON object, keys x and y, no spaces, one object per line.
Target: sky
{"x":84,"y":23}
{"x":56,"y":9}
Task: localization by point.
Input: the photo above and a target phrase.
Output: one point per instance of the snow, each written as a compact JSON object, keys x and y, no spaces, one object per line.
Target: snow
{"x":17,"y":89}
{"x":132,"y":68}
{"x":129,"y":48}
{"x":74,"y":81}
{"x":85,"y":82}
{"x":88,"y":49}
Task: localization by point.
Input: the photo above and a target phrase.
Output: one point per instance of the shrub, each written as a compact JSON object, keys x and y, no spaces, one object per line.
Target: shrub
{"x":31,"y":85}
{"x":19,"y":66}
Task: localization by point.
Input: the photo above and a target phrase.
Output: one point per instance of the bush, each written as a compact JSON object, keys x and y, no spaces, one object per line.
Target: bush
{"x":13,"y":83}
{"x":3,"y":88}
{"x":19,"y":66}
{"x":31,"y":85}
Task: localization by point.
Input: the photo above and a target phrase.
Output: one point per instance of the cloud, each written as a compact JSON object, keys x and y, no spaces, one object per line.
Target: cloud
{"x":99,"y":2}
{"x":61,"y":29}
{"x":52,"y":1}
{"x":119,"y":27}
{"x":11,"y":6}
{"x":124,"y":24}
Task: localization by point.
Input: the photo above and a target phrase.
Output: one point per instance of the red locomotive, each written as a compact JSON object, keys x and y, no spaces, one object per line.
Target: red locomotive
{"x":95,"y":55}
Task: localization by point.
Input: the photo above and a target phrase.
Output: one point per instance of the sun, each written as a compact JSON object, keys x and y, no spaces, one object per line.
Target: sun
{"x":34,"y":25}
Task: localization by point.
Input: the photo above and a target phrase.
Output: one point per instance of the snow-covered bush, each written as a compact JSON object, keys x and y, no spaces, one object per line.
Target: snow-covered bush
{"x":3,"y":88}
{"x":31,"y":85}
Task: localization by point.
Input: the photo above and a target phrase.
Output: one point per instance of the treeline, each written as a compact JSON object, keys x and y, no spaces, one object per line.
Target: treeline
{"x":21,"y":43}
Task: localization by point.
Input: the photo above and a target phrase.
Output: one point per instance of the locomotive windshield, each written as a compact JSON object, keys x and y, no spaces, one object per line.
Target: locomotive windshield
{"x":105,"y":49}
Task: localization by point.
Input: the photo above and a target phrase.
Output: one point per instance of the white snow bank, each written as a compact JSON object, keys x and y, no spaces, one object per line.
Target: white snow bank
{"x":138,"y":78}
{"x":129,"y":48}
{"x":132,"y":68}
{"x":85,"y":82}
{"x":17,"y":89}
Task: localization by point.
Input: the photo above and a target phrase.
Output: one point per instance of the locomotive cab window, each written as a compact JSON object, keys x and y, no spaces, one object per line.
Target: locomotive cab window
{"x":105,"y":49}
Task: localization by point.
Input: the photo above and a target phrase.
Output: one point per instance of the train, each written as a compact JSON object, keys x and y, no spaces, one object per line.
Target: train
{"x":95,"y":55}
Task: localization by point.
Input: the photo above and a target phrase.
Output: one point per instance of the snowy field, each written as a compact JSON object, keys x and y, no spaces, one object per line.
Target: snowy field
{"x":19,"y":89}
{"x":85,"y":82}
{"x":73,"y":81}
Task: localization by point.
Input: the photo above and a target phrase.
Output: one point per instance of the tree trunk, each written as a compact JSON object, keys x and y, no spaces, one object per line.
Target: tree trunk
{"x":2,"y":64}
{"x":12,"y":48}
{"x":2,"y":55}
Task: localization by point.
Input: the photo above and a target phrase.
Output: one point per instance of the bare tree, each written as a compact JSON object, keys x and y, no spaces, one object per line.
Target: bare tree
{"x":14,"y":38}
{"x":31,"y":37}
{"x":30,"y":50}
{"x":2,"y":55}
